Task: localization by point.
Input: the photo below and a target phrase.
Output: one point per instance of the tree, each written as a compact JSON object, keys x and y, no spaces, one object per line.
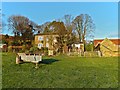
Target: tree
{"x":2,"y":22}
{"x":5,"y":39}
{"x":22,"y":27}
{"x":84,"y":26}
{"x":60,"y":30}
{"x":89,"y":46}
{"x":67,"y":19}
{"x":43,"y":27}
{"x":6,"y":36}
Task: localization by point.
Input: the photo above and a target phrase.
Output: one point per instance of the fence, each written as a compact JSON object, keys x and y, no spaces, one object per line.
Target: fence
{"x":85,"y":54}
{"x":92,"y":54}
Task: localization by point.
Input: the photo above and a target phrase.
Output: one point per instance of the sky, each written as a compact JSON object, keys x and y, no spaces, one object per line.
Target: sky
{"x":104,"y":14}
{"x":60,"y":0}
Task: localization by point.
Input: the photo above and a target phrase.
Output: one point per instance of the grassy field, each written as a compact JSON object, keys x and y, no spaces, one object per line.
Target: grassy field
{"x":60,"y":72}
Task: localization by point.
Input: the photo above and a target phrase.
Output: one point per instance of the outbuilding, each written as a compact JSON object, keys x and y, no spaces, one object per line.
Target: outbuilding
{"x":107,"y":47}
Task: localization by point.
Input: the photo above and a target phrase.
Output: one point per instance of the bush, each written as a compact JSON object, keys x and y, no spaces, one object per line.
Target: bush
{"x":15,"y":43}
{"x":27,"y":51}
{"x":23,"y":48}
{"x":89,"y":47}
{"x":34,"y":49}
{"x":9,"y":48}
{"x":46,"y":51}
{"x":54,"y":52}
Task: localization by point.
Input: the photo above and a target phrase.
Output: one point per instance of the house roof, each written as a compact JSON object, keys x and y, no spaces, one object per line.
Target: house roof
{"x":115,"y":41}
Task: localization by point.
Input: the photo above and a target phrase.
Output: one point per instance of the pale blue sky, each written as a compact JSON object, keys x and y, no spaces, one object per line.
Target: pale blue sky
{"x":60,"y":0}
{"x":104,"y":14}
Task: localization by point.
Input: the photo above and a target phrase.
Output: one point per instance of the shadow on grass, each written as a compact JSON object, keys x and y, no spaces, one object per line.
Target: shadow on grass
{"x":48,"y":61}
{"x":44,"y":61}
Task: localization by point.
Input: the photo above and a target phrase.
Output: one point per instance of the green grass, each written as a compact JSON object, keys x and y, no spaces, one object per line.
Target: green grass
{"x":60,"y":72}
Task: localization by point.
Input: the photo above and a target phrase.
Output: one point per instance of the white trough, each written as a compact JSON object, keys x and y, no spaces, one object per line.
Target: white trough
{"x":34,"y":58}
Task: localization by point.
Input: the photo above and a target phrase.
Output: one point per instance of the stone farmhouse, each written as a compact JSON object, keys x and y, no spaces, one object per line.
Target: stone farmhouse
{"x":45,"y":40}
{"x":50,"y":41}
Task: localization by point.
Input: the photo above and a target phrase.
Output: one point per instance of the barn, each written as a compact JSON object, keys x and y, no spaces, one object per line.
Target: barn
{"x":107,"y":47}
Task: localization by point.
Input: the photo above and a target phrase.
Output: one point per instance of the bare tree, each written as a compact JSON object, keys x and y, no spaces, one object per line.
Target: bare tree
{"x":84,"y":26}
{"x":21,"y":26}
{"x":2,"y":22}
{"x":42,"y":28}
{"x":67,"y":19}
{"x":0,"y":19}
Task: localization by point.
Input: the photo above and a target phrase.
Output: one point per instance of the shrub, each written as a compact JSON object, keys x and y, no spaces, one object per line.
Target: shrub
{"x":89,"y":47}
{"x":46,"y":51}
{"x":34,"y":49}
{"x":9,"y":48}
{"x":27,"y":51}
{"x":54,"y":52}
{"x":23,"y":48}
{"x":15,"y":43}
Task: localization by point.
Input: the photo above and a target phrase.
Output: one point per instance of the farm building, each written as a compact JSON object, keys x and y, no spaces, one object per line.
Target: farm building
{"x":45,"y":40}
{"x":78,"y":46}
{"x":50,"y":41}
{"x":107,"y":47}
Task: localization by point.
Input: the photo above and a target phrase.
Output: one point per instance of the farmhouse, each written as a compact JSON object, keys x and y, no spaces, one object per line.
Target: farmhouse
{"x":107,"y":47}
{"x":45,"y":40}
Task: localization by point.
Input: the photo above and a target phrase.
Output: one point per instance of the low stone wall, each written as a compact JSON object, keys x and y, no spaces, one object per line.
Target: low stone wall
{"x":92,"y":54}
{"x":84,"y":54}
{"x":95,"y":54}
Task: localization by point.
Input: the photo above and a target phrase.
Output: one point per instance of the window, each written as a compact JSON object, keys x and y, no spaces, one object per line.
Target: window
{"x":47,"y":39}
{"x":55,"y":40}
{"x":40,"y":45}
{"x":47,"y":44}
{"x":40,"y":38}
